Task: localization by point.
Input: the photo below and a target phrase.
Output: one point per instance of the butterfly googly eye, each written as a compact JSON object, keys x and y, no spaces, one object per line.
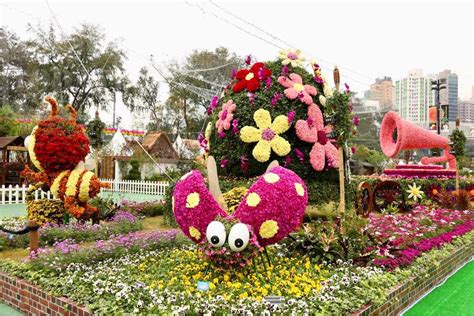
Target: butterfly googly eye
{"x":239,"y":237}
{"x":215,"y":234}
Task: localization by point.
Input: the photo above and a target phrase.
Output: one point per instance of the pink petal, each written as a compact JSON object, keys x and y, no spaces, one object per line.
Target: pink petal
{"x":332,"y":154}
{"x":291,"y":93}
{"x":306,"y":98}
{"x":317,"y":157}
{"x":314,"y":112}
{"x":296,"y":78}
{"x":310,"y":89}
{"x":306,"y":133}
{"x":285,"y":82}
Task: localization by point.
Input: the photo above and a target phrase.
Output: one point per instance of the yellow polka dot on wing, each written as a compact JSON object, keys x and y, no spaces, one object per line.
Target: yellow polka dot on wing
{"x":194,"y":232}
{"x":192,"y":200}
{"x":253,"y":199}
{"x":268,"y":229}
{"x":271,"y":177}
{"x":299,"y":189}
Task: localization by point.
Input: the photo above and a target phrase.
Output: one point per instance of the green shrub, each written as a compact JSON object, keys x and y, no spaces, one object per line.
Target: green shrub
{"x":134,"y":173}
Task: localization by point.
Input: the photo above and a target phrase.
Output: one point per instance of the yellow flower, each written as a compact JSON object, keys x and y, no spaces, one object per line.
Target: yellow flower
{"x":267,"y":135}
{"x":415,"y":192}
{"x":194,"y":233}
{"x":291,"y":56}
{"x":192,"y":200}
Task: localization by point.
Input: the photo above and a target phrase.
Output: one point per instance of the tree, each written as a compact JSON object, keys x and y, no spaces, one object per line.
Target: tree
{"x":134,"y":173}
{"x":203,"y":74}
{"x":144,"y":98}
{"x":61,"y":73}
{"x":18,"y":73}
{"x":8,"y":124}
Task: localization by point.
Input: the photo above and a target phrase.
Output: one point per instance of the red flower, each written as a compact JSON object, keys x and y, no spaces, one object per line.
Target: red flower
{"x":250,"y":79}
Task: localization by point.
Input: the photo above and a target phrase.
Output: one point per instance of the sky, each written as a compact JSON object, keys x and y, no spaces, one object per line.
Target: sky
{"x":365,"y":39}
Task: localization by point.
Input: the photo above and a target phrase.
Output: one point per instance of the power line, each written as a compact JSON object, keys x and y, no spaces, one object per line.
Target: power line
{"x":281,"y":40}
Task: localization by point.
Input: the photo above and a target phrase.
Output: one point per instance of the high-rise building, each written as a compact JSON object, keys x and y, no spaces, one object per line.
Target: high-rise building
{"x":382,"y":91}
{"x":449,"y":96}
{"x":466,"y":111}
{"x":413,"y":96}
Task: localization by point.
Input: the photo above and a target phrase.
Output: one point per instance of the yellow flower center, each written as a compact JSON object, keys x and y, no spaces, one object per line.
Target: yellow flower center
{"x":298,"y":87}
{"x":249,"y":76}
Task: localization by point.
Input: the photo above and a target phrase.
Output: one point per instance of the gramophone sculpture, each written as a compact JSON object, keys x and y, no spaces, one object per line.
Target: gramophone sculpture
{"x":397,"y":134}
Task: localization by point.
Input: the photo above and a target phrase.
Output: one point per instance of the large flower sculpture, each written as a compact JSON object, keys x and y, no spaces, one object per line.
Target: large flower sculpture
{"x":291,"y":57}
{"x":225,"y":116}
{"x":271,"y":97}
{"x":250,"y":79}
{"x":267,"y":135}
{"x":296,"y":89}
{"x":313,"y":131}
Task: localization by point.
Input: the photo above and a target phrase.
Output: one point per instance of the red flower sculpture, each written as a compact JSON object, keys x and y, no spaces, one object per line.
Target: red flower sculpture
{"x":250,"y":79}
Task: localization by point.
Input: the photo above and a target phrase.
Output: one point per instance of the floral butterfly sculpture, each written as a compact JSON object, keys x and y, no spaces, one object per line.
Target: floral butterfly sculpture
{"x":272,"y":208}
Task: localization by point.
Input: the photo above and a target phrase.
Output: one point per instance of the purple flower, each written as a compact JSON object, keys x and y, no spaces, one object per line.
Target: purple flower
{"x":224,"y":163}
{"x":284,"y":71}
{"x":268,"y":82}
{"x":235,"y":129}
{"x":221,"y":135}
{"x":276,"y":97}
{"x":291,"y":116}
{"x":251,"y":97}
{"x":353,"y":150}
{"x":318,"y":79}
{"x":244,"y":164}
{"x":213,"y":105}
{"x":233,"y":73}
{"x":356,"y":120}
{"x":347,"y":87}
{"x":299,"y":154}
{"x":248,"y":59}
{"x":287,"y":161}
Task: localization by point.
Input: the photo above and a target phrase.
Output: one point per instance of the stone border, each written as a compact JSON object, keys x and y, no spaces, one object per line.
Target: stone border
{"x":32,"y":300}
{"x":407,"y":293}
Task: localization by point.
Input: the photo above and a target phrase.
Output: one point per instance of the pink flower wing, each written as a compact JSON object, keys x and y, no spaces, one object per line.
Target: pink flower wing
{"x":200,"y":215}
{"x":279,"y":201}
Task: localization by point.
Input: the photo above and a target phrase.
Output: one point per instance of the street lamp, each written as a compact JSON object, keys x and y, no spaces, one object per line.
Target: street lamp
{"x":438,"y":85}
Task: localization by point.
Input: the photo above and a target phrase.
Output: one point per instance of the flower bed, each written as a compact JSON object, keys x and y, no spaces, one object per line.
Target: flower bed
{"x":131,"y":274}
{"x":403,"y":237}
{"x":144,"y":209}
{"x":121,"y":223}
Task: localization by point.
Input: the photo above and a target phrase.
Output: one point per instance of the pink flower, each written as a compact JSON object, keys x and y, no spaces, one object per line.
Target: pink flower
{"x":235,"y":124}
{"x":287,"y":161}
{"x":225,"y":116}
{"x":224,"y":163}
{"x":356,"y":120}
{"x":299,"y":154}
{"x":248,"y":59}
{"x":276,"y":97}
{"x":295,"y":88}
{"x":315,"y":132}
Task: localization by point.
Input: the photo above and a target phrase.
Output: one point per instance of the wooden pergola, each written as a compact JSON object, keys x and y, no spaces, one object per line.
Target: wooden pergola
{"x":13,"y":157}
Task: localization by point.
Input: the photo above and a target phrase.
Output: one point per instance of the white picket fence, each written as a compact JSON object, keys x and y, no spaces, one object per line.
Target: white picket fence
{"x":136,"y":186}
{"x":16,"y":194}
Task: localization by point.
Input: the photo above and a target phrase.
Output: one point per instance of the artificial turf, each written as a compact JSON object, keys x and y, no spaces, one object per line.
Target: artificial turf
{"x":455,"y":297}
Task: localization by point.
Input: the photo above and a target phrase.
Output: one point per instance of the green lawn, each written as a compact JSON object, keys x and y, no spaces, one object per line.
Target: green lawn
{"x":455,"y":297}
{"x":9,"y":210}
{"x":7,"y":310}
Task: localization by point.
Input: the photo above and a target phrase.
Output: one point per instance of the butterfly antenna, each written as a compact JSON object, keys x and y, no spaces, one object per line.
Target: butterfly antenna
{"x":214,"y":187}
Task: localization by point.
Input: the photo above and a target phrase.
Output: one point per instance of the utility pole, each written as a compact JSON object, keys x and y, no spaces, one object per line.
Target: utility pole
{"x":438,"y":85}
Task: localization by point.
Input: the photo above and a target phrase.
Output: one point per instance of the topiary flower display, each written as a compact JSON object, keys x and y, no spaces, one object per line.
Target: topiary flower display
{"x":270,"y":98}
{"x":57,"y":148}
